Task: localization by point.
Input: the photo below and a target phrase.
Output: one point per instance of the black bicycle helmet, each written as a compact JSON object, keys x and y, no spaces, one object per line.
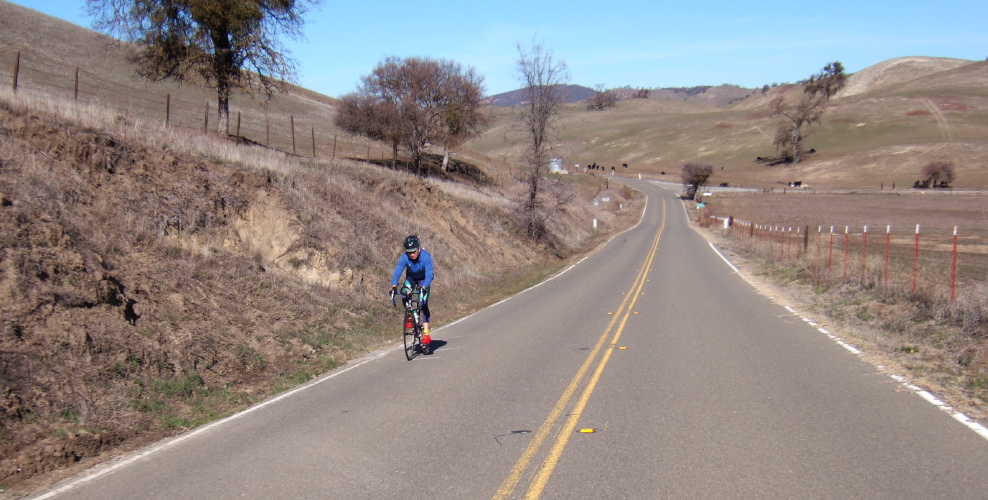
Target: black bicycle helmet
{"x":411,"y":243}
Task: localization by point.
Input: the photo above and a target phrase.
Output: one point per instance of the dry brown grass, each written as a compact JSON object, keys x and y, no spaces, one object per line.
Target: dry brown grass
{"x":231,"y":271}
{"x":155,"y":278}
{"x":865,"y":140}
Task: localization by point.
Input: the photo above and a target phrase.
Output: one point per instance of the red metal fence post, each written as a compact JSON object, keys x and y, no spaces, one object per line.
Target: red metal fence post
{"x":916,"y":259}
{"x":830,"y":253}
{"x":847,"y":243}
{"x":888,"y":241}
{"x":782,"y":243}
{"x":864,"y":255}
{"x":953,"y":269}
{"x":789,"y":244}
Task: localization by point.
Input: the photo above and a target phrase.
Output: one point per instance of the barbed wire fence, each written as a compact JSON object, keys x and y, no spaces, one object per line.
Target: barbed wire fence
{"x":300,"y":135}
{"x":933,"y":261}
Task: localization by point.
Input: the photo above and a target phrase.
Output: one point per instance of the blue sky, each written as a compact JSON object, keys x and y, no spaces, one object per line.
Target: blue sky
{"x":636,"y":43}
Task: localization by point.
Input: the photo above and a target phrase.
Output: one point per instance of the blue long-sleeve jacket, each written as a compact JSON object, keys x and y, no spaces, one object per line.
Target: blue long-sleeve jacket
{"x":419,"y":270}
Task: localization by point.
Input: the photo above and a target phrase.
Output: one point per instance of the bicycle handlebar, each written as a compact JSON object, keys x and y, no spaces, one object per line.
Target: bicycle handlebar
{"x":394,"y":293}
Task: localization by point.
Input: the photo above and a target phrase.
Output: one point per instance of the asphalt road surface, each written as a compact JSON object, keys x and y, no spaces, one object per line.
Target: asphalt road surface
{"x":650,"y":369}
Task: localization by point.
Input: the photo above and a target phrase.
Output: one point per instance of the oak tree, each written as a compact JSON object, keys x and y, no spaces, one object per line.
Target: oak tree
{"x":375,"y":119}
{"x":220,"y":44}
{"x":416,"y":102}
{"x":806,"y":110}
{"x":694,"y":175}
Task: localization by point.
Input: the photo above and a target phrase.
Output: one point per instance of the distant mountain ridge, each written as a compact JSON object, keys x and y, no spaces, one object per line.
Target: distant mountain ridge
{"x":719,"y":95}
{"x":571,"y":93}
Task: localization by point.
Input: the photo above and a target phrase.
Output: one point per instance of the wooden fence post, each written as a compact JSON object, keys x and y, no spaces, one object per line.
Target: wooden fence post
{"x":334,"y":147}
{"x":205,"y":120}
{"x":168,"y":109}
{"x":17,"y":69}
{"x":267,"y":132}
{"x":313,"y":142}
{"x":238,"y":123}
{"x":292,"y":117}
{"x":76,"y":83}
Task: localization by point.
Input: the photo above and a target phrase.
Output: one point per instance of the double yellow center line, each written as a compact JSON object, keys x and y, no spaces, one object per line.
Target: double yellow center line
{"x":541,"y":477}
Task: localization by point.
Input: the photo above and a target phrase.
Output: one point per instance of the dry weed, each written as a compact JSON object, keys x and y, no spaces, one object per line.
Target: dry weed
{"x":155,"y":278}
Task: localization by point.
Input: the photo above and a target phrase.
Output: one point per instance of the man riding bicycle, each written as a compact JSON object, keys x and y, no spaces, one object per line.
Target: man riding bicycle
{"x":416,"y":263}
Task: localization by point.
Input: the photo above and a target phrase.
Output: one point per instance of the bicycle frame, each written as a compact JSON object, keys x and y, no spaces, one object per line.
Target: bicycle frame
{"x":412,"y":322}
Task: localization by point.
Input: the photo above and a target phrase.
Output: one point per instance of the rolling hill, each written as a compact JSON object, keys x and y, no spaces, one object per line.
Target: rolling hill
{"x":150,"y":285}
{"x":156,"y":277}
{"x":890,"y":120}
{"x":893,"y":118}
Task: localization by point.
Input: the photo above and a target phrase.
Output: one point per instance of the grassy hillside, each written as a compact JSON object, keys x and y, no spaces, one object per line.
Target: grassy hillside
{"x":893,"y":117}
{"x":51,"y":50}
{"x":156,"y":277}
{"x":153,"y":278}
{"x":899,"y":117}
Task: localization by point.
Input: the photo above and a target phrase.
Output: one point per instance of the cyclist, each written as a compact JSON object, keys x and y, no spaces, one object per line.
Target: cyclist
{"x":416,"y":263}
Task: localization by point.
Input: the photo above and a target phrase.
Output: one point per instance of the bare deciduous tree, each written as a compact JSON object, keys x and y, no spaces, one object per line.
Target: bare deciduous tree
{"x":694,"y":175}
{"x":416,"y":102}
{"x":543,"y":78}
{"x":377,"y":120}
{"x":806,"y":110}
{"x":220,"y":44}
{"x":463,"y":117}
{"x":602,"y":99}
{"x":939,"y":173}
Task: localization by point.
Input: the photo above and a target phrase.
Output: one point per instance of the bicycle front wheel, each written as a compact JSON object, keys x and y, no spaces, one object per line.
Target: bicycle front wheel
{"x":412,"y":342}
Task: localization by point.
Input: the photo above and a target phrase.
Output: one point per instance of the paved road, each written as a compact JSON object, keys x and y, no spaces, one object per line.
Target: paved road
{"x":648,"y":370}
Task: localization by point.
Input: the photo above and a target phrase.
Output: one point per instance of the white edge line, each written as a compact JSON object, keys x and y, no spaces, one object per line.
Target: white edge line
{"x":729,"y":263}
{"x":178,"y":439}
{"x":372,"y":357}
{"x":959,"y":416}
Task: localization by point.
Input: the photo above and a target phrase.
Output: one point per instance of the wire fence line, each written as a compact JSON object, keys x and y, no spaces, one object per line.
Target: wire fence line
{"x":301,"y":135}
{"x":934,"y":261}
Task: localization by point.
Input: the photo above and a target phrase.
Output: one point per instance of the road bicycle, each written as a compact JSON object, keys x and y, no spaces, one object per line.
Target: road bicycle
{"x":412,"y":322}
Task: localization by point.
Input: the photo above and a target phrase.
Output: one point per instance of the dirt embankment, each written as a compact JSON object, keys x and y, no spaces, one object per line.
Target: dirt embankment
{"x":144,"y":291}
{"x":109,"y":327}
